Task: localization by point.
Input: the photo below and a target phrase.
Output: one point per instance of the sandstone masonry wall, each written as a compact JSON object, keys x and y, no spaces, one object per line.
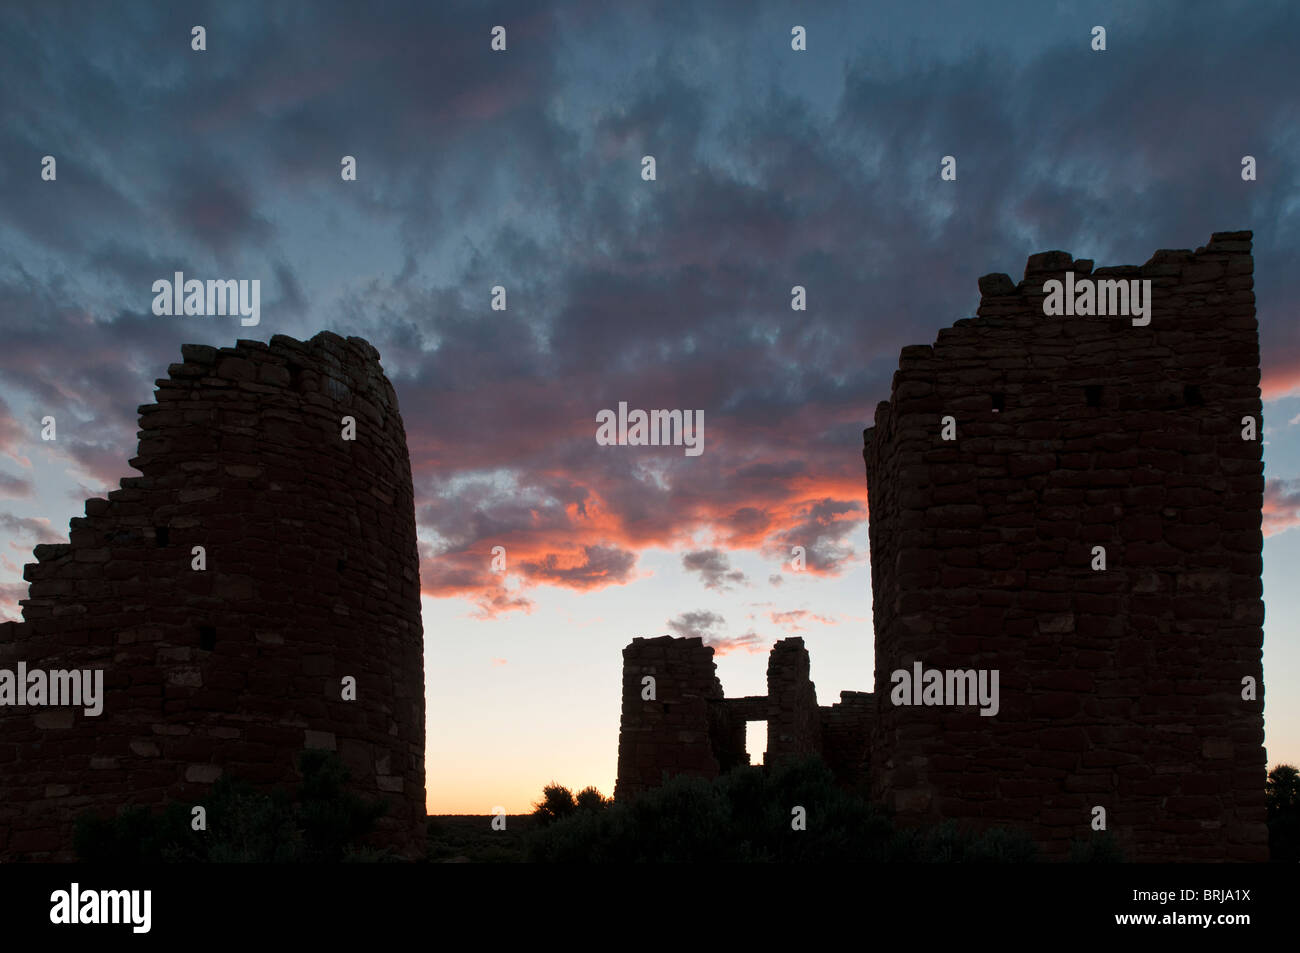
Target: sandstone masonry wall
{"x":691,"y":729}
{"x":669,"y":735}
{"x":1120,"y":688}
{"x":312,"y":574}
{"x":846,"y":737}
{"x":793,"y":721}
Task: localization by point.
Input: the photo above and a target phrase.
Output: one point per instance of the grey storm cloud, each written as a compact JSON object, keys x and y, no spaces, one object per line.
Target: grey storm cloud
{"x":703,"y":624}
{"x":523,"y":170}
{"x":12,"y":486}
{"x":820,"y":531}
{"x":603,"y":565}
{"x":698,"y":624}
{"x":24,"y":526}
{"x":749,"y":641}
{"x":714,"y":567}
{"x":1281,"y":505}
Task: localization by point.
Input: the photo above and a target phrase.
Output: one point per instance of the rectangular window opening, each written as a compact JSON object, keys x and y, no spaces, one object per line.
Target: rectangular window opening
{"x":756,"y":741}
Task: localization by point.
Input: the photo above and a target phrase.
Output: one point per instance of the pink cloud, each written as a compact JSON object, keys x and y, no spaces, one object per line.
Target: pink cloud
{"x":1281,"y":506}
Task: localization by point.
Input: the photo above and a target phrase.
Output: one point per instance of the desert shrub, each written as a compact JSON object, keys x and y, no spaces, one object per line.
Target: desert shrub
{"x":590,"y":799}
{"x":946,"y":843}
{"x":1101,"y":848}
{"x":1282,"y":796}
{"x":332,"y":821}
{"x":325,"y":823}
{"x":556,"y":804}
{"x":747,"y":814}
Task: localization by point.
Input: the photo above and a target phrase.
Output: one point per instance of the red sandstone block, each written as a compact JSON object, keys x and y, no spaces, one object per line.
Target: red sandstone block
{"x":1205,"y":782}
{"x":1069,"y":818}
{"x":260,"y":772}
{"x":1061,"y":739}
{"x":34,"y":841}
{"x":1023,"y":465}
{"x":1194,"y":805}
{"x":1055,"y":705}
{"x":1091,"y":784}
{"x":1248,"y":833}
{"x":1028,"y":788}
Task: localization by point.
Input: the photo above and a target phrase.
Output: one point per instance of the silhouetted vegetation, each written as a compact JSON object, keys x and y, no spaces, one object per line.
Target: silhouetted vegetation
{"x":590,"y":799}
{"x":321,"y":823}
{"x":1282,"y":791}
{"x":1098,"y":848}
{"x":470,"y":838}
{"x":556,"y":804}
{"x":749,"y":815}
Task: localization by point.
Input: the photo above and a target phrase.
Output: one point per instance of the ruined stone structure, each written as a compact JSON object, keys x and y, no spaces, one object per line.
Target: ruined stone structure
{"x":311,"y":575}
{"x":690,"y":728}
{"x":1120,"y":688}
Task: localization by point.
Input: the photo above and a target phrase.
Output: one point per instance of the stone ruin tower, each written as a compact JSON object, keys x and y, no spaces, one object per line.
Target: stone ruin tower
{"x":312,"y":575}
{"x":690,"y":728}
{"x":1120,"y":688}
{"x":1125,"y":688}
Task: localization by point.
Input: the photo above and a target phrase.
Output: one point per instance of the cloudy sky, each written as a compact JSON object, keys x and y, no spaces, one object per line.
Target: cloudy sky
{"x":523,"y":169}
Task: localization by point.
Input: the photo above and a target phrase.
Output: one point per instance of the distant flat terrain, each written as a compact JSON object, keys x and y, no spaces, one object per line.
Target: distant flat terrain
{"x":469,"y":838}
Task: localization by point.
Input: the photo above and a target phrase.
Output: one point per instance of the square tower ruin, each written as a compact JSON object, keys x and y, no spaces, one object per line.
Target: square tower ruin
{"x":1136,"y":688}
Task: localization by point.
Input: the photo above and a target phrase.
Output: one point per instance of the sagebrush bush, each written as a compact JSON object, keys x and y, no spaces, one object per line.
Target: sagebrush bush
{"x":1099,"y":848}
{"x":556,"y":804}
{"x":324,"y":823}
{"x":590,"y":799}
{"x":746,"y":815}
{"x":1282,"y":794}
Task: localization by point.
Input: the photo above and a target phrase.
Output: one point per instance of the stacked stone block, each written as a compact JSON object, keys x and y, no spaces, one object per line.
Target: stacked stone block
{"x":671,"y":734}
{"x":1120,"y":688}
{"x":793,"y":721}
{"x":694,"y":730}
{"x":846,"y":737}
{"x":312,"y":574}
